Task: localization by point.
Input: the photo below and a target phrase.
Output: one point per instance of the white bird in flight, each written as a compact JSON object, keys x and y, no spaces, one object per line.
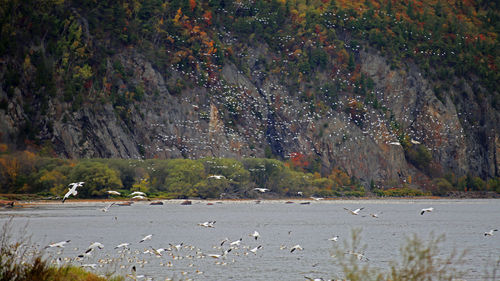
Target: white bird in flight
{"x":112,"y":192}
{"x":216,"y":256}
{"x":90,"y":265}
{"x":490,"y":233}
{"x":122,"y":245}
{"x":209,"y":224}
{"x":236,"y":243}
{"x":96,"y":245}
{"x":137,"y":193}
{"x":58,"y":244}
{"x":254,"y":250}
{"x":262,"y":190}
{"x":255,"y":234}
{"x":334,"y":238}
{"x":426,"y":210}
{"x":147,"y":237}
{"x":218,"y":177}
{"x":176,"y":247}
{"x":72,"y":190}
{"x":296,"y":247}
{"x":355,"y":212}
{"x":139,"y":197}
{"x":105,"y":209}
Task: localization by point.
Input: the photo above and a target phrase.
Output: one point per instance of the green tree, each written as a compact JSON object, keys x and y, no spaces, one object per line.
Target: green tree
{"x":98,"y":178}
{"x":182,"y":175}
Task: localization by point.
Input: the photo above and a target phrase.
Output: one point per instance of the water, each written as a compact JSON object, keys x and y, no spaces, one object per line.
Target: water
{"x":463,"y":222}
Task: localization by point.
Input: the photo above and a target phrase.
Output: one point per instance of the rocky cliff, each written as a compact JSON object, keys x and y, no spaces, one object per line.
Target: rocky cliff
{"x":401,"y":128}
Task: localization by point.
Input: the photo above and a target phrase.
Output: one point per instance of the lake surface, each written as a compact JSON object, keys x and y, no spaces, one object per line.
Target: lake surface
{"x":463,"y":222}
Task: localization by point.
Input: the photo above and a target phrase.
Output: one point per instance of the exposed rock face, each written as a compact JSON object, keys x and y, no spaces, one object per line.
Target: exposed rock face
{"x":243,"y":115}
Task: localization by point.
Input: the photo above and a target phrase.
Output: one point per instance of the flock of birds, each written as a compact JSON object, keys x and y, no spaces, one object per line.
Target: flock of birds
{"x":296,"y":123}
{"x":129,"y":258}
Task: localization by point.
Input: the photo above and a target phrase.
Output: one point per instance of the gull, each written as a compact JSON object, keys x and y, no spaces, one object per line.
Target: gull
{"x":176,"y":247}
{"x":91,"y":265}
{"x":300,"y":193}
{"x":374,"y":215}
{"x":359,"y":256}
{"x":414,"y":141}
{"x":215,"y":256}
{"x":122,"y":245}
{"x":490,"y":233}
{"x":58,"y":244}
{"x":355,"y":212}
{"x":334,"y":238}
{"x":96,"y":245}
{"x":296,"y":247}
{"x":137,"y":193}
{"x":138,"y":197}
{"x":236,"y":243}
{"x":87,"y":253}
{"x":395,"y":143}
{"x":254,"y":250}
{"x":147,"y":237}
{"x":72,"y":190}
{"x":262,"y":190}
{"x":157,"y":252}
{"x":255,"y":234}
{"x":224,"y":241}
{"x":218,"y":177}
{"x":207,"y":224}
{"x":105,"y":209}
{"x":426,"y":210}
{"x":112,"y":192}
{"x":316,"y":198}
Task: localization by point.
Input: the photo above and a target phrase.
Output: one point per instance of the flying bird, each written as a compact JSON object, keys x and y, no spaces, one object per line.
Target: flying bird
{"x":218,"y":177}
{"x":147,"y":237}
{"x":296,"y":247}
{"x":72,"y":190}
{"x":122,"y":245}
{"x":105,"y":209}
{"x":209,"y":224}
{"x":112,"y":192}
{"x":334,"y":238}
{"x":255,"y":235}
{"x":262,"y":190}
{"x":87,"y":253}
{"x":254,"y":250}
{"x":426,"y":210}
{"x":216,"y":256}
{"x":96,"y":245}
{"x":355,"y":212}
{"x":176,"y":247}
{"x":137,"y":193}
{"x":58,"y":244}
{"x":490,"y":233}
{"x":236,"y":243}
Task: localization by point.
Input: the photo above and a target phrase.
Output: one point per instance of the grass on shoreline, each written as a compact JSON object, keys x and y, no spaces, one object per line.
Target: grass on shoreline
{"x":21,"y":261}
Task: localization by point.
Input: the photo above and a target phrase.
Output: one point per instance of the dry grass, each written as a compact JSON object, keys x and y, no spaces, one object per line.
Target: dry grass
{"x":419,"y":260}
{"x":21,"y":261}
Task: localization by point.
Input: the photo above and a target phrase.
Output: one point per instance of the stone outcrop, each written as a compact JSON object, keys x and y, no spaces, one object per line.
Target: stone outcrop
{"x":247,"y":115}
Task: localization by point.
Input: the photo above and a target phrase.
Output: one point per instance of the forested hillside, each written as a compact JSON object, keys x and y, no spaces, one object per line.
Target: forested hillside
{"x":386,"y":93}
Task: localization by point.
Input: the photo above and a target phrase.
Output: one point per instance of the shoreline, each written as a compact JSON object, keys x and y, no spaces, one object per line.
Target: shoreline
{"x":42,"y":202}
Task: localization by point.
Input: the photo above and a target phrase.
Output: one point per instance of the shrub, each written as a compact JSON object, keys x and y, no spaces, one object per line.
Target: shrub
{"x":21,"y":261}
{"x":420,"y":260}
